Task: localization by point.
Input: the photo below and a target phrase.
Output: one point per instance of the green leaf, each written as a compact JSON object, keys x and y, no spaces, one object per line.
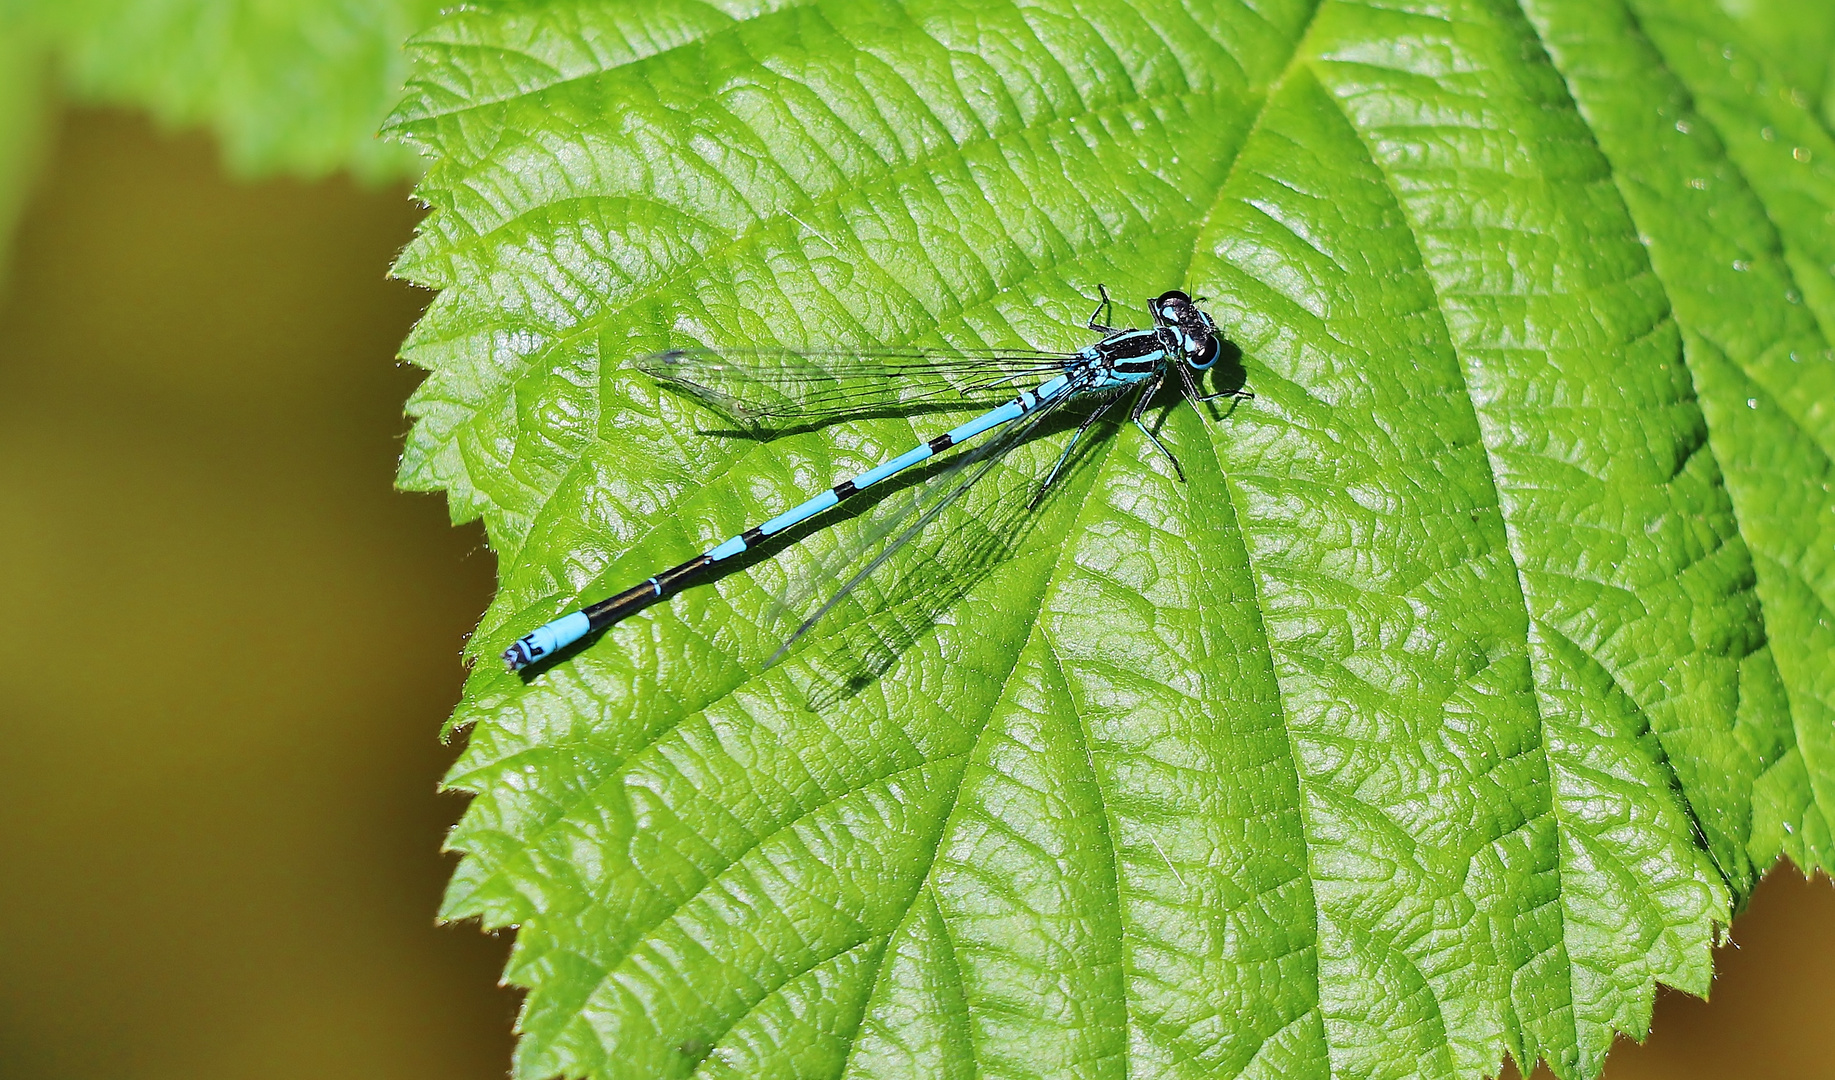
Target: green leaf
{"x":1749,"y":272}
{"x":1799,"y":39}
{"x":296,"y":86}
{"x":1463,"y":691}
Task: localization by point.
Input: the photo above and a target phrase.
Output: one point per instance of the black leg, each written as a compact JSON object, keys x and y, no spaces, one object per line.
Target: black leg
{"x":1189,"y":384}
{"x":1148,"y":389}
{"x":1191,"y":388}
{"x":1105,"y":302}
{"x":1052,"y":477}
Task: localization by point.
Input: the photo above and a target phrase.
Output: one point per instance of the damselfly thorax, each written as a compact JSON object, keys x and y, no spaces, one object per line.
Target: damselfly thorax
{"x":1181,"y":332}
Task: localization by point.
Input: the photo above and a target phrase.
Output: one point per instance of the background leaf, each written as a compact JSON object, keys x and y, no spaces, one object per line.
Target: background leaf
{"x":1799,"y":39}
{"x":1465,"y":689}
{"x":297,"y":86}
{"x":23,"y":109}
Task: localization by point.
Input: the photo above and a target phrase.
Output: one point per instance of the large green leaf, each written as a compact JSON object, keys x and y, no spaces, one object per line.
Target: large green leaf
{"x":1467,"y":686}
{"x":287,"y":85}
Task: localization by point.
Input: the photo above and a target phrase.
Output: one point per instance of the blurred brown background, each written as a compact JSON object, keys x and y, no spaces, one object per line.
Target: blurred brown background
{"x":231,"y":646}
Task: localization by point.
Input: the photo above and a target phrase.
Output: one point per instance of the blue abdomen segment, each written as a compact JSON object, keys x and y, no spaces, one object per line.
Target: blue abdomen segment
{"x":1012,"y":410}
{"x":801,"y":512}
{"x":892,"y":468}
{"x":547,"y":639}
{"x":726,"y":549}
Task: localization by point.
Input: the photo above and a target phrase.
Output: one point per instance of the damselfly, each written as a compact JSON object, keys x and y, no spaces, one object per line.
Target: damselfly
{"x":783,"y":387}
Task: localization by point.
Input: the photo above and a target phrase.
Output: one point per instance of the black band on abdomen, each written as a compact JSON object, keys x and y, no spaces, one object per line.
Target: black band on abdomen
{"x":637,"y":597}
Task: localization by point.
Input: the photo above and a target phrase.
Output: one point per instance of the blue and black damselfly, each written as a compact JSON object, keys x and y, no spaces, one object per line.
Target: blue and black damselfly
{"x":779,"y":387}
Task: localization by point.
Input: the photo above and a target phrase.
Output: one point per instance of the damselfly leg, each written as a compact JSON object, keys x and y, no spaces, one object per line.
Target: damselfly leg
{"x":1191,"y":390}
{"x":1147,"y":390}
{"x":1104,"y":304}
{"x":1052,"y":477}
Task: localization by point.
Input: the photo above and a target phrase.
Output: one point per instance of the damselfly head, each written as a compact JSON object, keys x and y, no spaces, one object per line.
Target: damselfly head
{"x":1194,"y":333}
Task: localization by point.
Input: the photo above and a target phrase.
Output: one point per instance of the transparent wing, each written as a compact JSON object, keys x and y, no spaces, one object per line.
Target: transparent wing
{"x":946,"y":553}
{"x":780,"y":388}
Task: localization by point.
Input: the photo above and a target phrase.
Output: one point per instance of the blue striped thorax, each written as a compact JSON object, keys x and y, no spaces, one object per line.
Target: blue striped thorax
{"x":1123,"y":358}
